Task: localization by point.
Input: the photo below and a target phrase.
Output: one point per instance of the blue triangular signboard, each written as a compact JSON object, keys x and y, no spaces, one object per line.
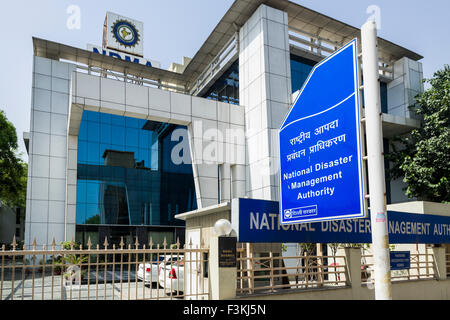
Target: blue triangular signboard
{"x":320,"y":145}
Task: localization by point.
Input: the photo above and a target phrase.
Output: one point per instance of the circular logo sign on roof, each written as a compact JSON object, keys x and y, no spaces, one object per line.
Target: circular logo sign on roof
{"x":125,"y":33}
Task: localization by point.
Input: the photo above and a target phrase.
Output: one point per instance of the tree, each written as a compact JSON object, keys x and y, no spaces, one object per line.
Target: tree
{"x":13,"y":171}
{"x":423,"y":157}
{"x":93,"y":220}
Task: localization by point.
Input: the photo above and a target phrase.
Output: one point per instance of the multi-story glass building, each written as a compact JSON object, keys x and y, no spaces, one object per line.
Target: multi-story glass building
{"x":125,"y":177}
{"x":119,"y":146}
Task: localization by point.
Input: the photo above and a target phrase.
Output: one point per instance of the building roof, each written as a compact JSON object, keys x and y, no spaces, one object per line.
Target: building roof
{"x":240,"y":11}
{"x":299,"y":17}
{"x":54,"y":50}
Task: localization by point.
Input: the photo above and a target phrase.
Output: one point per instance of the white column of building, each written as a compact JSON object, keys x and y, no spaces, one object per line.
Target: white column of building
{"x":46,"y":193}
{"x":401,"y":91}
{"x":264,"y":90}
{"x":75,"y":116}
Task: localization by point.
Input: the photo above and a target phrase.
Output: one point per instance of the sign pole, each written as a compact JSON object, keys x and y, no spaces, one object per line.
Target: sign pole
{"x":380,"y":238}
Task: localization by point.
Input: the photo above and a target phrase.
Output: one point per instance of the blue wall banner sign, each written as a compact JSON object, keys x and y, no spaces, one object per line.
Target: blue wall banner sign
{"x":400,"y":260}
{"x":259,"y":221}
{"x":320,"y":145}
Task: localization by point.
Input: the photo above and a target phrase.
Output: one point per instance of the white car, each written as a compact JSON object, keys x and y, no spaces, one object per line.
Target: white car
{"x":171,"y":276}
{"x":149,"y":272}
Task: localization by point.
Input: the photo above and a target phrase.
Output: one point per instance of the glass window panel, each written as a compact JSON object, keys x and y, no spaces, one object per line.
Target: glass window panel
{"x":384,"y":97}
{"x":300,"y":70}
{"x":144,"y":139}
{"x":224,"y":89}
{"x":132,"y":137}
{"x":117,"y":147}
{"x":81,"y":191}
{"x":154,"y":160}
{"x":154,"y":143}
{"x":92,"y":172}
{"x":103,"y":148}
{"x":93,"y":116}
{"x":105,"y":118}
{"x":105,"y":133}
{"x":82,"y":134}
{"x":117,"y":121}
{"x":144,"y":155}
{"x":93,"y":132}
{"x":92,"y":192}
{"x":131,"y":122}
{"x":92,"y":213}
{"x":93,"y":153}
{"x":81,"y":213}
{"x":118,"y":173}
{"x":135,"y":151}
{"x":118,"y":136}
{"x":82,"y":152}
{"x":159,"y":236}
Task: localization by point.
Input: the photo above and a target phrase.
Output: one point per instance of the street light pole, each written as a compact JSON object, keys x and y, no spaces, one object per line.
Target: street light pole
{"x":373,"y":115}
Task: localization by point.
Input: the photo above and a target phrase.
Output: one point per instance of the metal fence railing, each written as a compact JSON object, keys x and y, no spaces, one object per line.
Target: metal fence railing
{"x":422,"y":267}
{"x":321,"y":47}
{"x":125,"y":272}
{"x":271,"y":272}
{"x":226,"y":56}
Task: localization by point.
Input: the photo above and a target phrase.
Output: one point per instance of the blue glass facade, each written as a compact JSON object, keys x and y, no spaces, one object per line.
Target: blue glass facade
{"x":126,"y":175}
{"x":384,"y":97}
{"x":226,"y":88}
{"x":300,"y":70}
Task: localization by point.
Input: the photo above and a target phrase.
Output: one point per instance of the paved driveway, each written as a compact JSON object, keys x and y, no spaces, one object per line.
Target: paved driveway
{"x":52,"y":288}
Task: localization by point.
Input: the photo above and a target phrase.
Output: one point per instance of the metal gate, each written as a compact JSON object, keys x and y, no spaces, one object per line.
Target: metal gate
{"x":125,"y":272}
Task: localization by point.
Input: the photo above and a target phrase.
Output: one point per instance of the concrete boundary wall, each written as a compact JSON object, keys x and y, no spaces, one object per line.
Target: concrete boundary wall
{"x":435,"y":289}
{"x":428,"y":289}
{"x":408,"y":290}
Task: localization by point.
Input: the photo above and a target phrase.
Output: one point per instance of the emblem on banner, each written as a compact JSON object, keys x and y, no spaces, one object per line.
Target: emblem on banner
{"x":125,"y":33}
{"x":288,"y":213}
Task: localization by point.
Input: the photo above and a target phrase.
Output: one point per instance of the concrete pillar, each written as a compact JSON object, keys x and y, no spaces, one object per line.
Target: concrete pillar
{"x":402,"y":90}
{"x":406,"y":85}
{"x":353,"y":274}
{"x":47,"y":188}
{"x":237,"y":181}
{"x":204,"y":166}
{"x":222,"y":280}
{"x":225,"y":182}
{"x":440,"y":263}
{"x":265,"y":92}
{"x":320,"y":262}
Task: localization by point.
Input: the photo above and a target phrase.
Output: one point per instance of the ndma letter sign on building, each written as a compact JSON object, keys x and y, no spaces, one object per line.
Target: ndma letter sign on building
{"x":320,"y":145}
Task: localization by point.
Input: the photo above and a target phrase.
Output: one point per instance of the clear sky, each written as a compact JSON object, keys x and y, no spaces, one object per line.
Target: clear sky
{"x":177,"y":28}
